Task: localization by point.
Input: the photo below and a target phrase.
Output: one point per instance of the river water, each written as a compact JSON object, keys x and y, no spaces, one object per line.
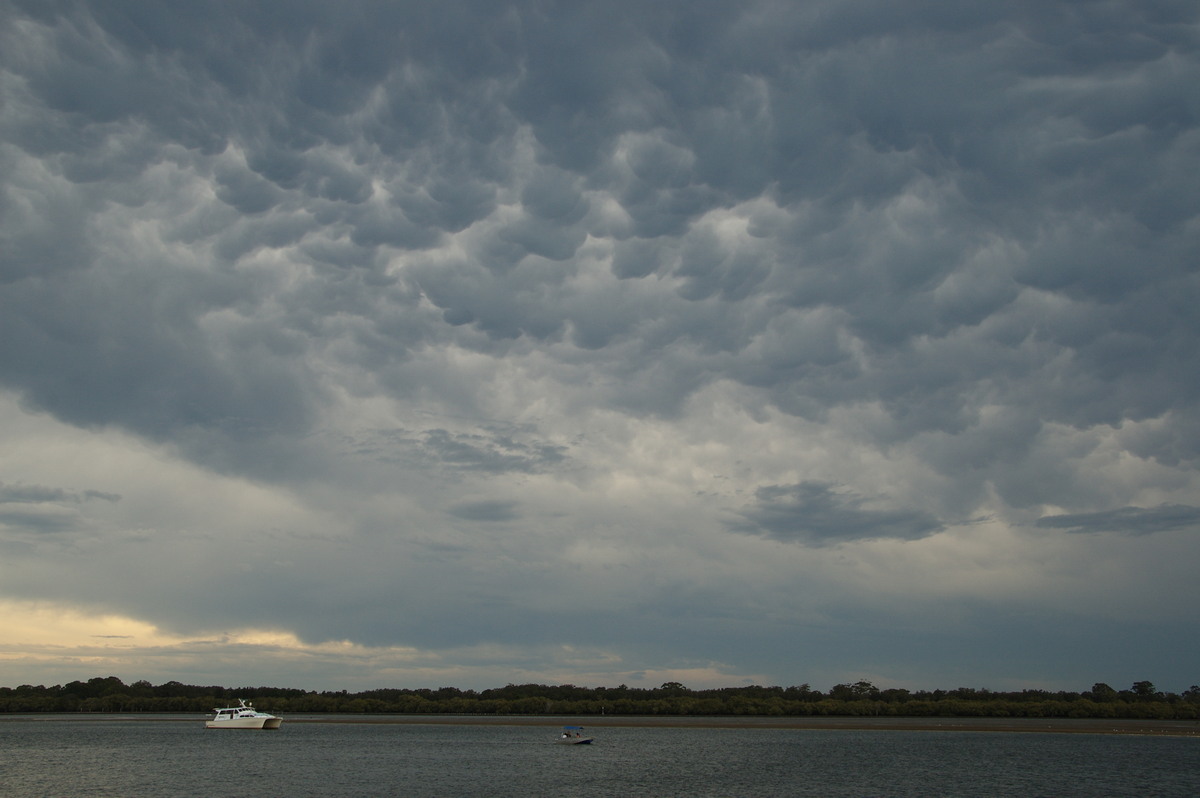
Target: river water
{"x":125,"y":757}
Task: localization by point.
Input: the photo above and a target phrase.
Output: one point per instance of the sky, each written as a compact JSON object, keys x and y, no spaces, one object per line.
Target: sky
{"x":465,"y":343}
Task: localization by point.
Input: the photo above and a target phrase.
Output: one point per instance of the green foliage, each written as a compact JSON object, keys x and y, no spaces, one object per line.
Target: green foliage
{"x":861,"y":699}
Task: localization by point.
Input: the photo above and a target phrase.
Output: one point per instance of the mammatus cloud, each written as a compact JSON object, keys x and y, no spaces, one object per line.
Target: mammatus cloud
{"x":491,"y":332}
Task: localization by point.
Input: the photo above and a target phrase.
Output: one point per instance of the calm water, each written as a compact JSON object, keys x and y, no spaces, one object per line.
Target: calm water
{"x":40,"y":758}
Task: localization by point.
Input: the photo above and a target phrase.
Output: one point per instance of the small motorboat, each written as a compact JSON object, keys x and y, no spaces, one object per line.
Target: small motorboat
{"x":573,"y":735}
{"x":243,"y":716}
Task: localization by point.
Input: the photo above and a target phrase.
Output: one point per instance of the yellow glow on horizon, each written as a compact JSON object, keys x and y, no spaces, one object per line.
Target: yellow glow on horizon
{"x":36,"y":635}
{"x":49,"y":626}
{"x":54,"y":643}
{"x":40,"y":625}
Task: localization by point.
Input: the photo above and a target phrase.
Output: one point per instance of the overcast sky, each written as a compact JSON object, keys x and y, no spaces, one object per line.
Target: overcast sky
{"x":464,"y":343}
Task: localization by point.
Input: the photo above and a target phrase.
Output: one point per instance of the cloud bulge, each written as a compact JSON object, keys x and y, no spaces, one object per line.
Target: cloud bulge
{"x":755,"y":343}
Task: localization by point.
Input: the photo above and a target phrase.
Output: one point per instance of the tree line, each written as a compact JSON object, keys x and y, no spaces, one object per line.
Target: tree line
{"x":109,"y":694}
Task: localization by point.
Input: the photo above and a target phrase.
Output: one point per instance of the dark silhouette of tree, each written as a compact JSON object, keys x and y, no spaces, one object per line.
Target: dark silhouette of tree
{"x":109,"y":694}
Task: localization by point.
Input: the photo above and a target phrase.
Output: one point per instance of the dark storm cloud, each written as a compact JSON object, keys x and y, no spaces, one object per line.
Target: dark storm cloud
{"x":44,"y":510}
{"x":38,"y":494}
{"x":821,"y":515}
{"x":1127,"y":520}
{"x":48,"y":522}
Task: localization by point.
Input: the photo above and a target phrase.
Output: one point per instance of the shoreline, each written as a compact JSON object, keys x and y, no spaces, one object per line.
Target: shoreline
{"x":1171,"y":728}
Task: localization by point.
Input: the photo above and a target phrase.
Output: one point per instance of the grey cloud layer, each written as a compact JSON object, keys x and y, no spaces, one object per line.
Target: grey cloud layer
{"x":964,"y":239}
{"x":1128,"y":520}
{"x":816,"y":514}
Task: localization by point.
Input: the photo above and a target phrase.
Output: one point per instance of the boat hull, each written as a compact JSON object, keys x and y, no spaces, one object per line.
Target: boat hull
{"x":244,"y":723}
{"x":576,"y":741}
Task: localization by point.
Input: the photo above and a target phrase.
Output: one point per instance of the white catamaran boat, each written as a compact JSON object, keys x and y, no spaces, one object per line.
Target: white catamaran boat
{"x":243,"y":716}
{"x":573,"y":735}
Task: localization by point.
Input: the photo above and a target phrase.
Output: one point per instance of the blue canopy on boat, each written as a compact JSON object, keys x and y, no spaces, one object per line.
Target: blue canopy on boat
{"x":574,"y":728}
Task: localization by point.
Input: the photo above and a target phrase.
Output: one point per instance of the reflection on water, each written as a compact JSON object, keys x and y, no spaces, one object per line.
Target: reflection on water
{"x":177,"y":758}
